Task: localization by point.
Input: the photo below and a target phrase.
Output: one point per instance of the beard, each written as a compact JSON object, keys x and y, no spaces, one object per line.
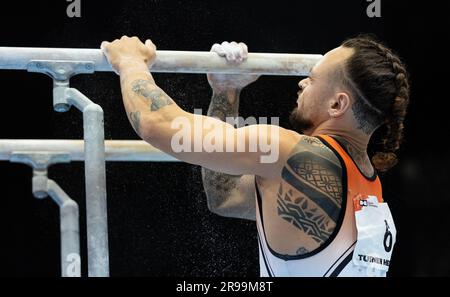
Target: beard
{"x":299,"y":123}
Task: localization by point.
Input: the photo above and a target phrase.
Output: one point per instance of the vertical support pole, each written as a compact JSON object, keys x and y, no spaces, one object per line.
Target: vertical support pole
{"x":94,"y":141}
{"x":70,"y":232}
{"x":94,"y":150}
{"x":68,"y":208}
{"x":96,"y":209}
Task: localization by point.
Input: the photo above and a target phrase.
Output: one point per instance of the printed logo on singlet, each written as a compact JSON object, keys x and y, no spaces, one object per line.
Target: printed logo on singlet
{"x":366,"y":203}
{"x":371,"y":259}
{"x":376,"y":233}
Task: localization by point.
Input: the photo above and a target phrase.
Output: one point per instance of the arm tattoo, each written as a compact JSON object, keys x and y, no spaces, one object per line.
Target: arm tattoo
{"x":135,"y":118}
{"x":313,"y":141}
{"x":221,"y":107}
{"x":146,"y":89}
{"x":310,"y":195}
{"x":218,"y":186}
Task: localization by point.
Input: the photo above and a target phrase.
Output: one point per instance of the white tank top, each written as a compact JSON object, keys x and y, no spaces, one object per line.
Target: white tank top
{"x":334,"y":257}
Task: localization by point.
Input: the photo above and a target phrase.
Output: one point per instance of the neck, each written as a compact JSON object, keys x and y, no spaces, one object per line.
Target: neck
{"x":358,"y":139}
{"x":354,"y":140}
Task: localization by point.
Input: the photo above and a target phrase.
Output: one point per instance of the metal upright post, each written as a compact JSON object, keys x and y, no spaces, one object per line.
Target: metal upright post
{"x":94,"y":148}
{"x":68,"y":208}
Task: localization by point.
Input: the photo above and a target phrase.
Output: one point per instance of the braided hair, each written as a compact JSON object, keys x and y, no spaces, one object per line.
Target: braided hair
{"x":379,"y":82}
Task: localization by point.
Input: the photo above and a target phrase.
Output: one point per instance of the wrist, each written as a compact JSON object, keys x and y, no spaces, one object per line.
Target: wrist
{"x":132,"y":66}
{"x":219,"y":88}
{"x":229,"y":95}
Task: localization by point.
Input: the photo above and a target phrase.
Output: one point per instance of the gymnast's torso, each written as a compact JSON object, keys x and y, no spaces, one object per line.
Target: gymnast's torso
{"x":306,"y":221}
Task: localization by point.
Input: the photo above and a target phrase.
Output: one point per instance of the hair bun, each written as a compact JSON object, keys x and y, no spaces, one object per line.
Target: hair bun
{"x":383,"y":161}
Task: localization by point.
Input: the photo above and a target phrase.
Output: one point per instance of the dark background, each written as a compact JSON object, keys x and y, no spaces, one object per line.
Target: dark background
{"x":159,"y":224}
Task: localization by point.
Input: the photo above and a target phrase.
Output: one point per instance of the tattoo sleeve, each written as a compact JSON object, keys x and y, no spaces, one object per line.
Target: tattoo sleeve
{"x":310,"y":194}
{"x":155,"y":97}
{"x":141,"y":97}
{"x":135,"y":119}
{"x":218,"y":186}
{"x":224,"y":104}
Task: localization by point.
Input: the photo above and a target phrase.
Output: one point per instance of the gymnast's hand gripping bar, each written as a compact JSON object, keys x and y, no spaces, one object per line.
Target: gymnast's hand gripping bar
{"x":18,"y":58}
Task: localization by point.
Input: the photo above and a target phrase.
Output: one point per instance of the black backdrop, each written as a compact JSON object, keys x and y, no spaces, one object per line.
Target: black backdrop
{"x":159,"y":224}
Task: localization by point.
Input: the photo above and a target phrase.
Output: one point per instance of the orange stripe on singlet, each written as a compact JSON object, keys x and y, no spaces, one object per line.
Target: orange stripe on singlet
{"x":359,"y":186}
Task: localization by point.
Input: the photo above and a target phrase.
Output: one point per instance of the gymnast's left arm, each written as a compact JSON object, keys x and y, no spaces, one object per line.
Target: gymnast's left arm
{"x":142,"y":98}
{"x":158,"y":120}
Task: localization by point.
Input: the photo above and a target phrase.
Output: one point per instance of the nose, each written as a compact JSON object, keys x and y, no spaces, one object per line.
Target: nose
{"x":302,"y":84}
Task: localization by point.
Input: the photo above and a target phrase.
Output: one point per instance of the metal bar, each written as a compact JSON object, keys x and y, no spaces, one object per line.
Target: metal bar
{"x":95,"y":180}
{"x":70,"y":232}
{"x":115,"y":150}
{"x":18,"y":58}
{"x":95,"y":176}
{"x":43,"y":187}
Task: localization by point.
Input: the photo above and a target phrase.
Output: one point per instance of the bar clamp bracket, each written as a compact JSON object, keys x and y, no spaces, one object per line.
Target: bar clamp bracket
{"x":40,"y":161}
{"x":61,"y":70}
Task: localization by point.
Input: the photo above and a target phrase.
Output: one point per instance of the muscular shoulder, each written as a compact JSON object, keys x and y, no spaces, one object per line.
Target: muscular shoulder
{"x":316,"y":166}
{"x":312,"y":148}
{"x":310,"y":192}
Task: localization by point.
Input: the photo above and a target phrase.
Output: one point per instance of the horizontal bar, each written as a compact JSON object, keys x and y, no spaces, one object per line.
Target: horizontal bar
{"x":116,"y":150}
{"x":17,"y":58}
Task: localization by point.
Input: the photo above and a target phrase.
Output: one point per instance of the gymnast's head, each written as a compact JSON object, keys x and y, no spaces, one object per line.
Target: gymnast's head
{"x":358,"y":86}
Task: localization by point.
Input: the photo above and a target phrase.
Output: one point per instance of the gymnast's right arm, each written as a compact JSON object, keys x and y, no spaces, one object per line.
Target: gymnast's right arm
{"x":229,"y":195}
{"x":196,"y":139}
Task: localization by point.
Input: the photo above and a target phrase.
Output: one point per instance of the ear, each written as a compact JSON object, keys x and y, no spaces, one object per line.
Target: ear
{"x":339,"y":105}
